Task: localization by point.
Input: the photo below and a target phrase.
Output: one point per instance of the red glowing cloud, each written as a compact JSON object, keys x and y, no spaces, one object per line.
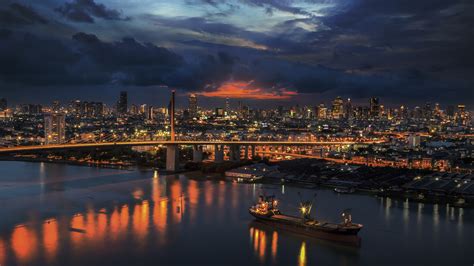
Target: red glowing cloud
{"x":246,"y":90}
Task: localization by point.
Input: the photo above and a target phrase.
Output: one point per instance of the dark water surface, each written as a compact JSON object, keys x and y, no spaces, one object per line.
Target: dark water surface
{"x":68,"y":215}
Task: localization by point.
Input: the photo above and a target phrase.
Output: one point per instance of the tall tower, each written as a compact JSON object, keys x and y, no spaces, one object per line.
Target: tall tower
{"x":122,"y":104}
{"x":374,"y":107}
{"x":227,"y":106}
{"x":172,"y":119}
{"x":193,"y":105}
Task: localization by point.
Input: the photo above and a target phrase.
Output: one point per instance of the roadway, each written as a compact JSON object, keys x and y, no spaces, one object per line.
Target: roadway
{"x":179,"y":142}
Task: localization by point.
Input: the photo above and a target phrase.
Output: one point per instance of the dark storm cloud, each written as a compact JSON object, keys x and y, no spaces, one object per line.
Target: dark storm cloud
{"x":197,"y":24}
{"x":19,"y":14}
{"x":269,"y":5}
{"x":420,"y":34}
{"x":30,"y":60}
{"x":87,"y":10}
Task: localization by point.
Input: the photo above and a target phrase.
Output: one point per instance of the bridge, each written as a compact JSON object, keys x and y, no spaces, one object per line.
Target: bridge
{"x":236,"y":149}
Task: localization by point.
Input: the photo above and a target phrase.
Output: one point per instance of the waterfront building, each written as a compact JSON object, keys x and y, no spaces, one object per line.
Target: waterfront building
{"x":54,"y":128}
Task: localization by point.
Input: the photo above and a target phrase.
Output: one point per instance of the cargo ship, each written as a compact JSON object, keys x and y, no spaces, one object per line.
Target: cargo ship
{"x":346,"y":232}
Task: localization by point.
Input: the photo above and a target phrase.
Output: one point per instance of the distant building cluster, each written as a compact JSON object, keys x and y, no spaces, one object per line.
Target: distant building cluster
{"x":427,"y":137}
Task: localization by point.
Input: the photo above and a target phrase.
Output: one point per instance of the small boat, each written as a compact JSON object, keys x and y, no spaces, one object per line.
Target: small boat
{"x":344,"y":190}
{"x":345,"y":232}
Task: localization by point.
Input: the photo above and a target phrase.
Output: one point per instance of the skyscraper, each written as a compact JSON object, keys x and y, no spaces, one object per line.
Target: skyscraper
{"x":322,"y":111}
{"x":54,"y":128}
{"x":348,"y":111}
{"x":227,"y":106}
{"x":122,"y":104}
{"x":338,"y":108}
{"x":374,"y":107}
{"x":193,"y":105}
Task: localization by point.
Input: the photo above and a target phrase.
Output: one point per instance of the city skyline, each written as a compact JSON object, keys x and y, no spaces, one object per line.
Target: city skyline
{"x":290,"y":51}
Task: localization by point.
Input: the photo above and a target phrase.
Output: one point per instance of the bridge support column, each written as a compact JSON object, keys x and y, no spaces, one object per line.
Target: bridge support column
{"x":197,"y":153}
{"x":218,"y":153}
{"x":252,"y":152}
{"x":246,"y":152}
{"x":234,"y":152}
{"x":172,"y":157}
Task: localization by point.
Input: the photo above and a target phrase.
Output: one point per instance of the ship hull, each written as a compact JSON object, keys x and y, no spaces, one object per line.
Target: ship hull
{"x":347,"y":237}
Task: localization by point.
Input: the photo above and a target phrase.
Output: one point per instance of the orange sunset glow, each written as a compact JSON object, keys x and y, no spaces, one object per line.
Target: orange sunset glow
{"x":247,"y":90}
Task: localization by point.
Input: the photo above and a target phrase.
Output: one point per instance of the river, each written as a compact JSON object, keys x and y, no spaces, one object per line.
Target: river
{"x":57,"y":214}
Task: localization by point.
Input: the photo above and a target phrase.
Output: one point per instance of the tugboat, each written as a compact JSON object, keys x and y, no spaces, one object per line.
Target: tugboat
{"x":266,"y":211}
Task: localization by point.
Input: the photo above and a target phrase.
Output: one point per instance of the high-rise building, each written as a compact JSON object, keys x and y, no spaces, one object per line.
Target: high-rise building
{"x":227,"y":106}
{"x":143,"y":109}
{"x":374,"y":107}
{"x":193,"y":105}
{"x":122,"y":104}
{"x":134,"y":110}
{"x":322,"y":111}
{"x":337,"y":108}
{"x":220,"y":112}
{"x":3,"y":104}
{"x":54,"y":128}
{"x":413,"y":141}
{"x":348,"y":111}
{"x":56,"y":106}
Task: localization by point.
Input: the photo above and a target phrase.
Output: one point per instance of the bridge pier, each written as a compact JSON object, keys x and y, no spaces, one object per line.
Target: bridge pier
{"x":197,"y":153}
{"x":252,"y":151}
{"x":218,"y":153}
{"x":172,"y":152}
{"x":235,"y":152}
{"x":246,"y":152}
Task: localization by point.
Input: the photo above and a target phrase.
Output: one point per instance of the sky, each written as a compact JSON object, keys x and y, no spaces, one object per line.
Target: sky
{"x":263,"y":52}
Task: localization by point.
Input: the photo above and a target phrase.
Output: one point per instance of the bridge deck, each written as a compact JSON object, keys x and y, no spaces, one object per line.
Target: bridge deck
{"x":179,"y":142}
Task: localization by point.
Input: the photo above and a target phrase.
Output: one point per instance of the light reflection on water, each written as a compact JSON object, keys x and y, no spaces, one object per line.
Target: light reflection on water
{"x":162,"y":211}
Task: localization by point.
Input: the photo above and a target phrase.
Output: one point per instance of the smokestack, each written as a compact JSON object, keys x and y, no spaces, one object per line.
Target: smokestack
{"x":173,"y":138}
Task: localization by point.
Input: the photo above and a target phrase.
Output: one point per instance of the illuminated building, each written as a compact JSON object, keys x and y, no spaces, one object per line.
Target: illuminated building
{"x":122,"y":104}
{"x":143,"y":109}
{"x":133,"y":109}
{"x":348,"y":111}
{"x":322,"y":111}
{"x":56,"y":106}
{"x":462,"y":116}
{"x":413,"y":141}
{"x":227,"y":106}
{"x":219,"y":112}
{"x":374,"y":107}
{"x":54,"y":128}
{"x":193,"y":105}
{"x":338,"y":108}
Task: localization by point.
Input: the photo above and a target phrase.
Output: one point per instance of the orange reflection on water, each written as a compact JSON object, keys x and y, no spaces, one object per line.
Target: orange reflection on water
{"x":208,"y":193}
{"x":140,"y":220}
{"x":193,"y":192}
{"x":262,"y":246}
{"x":259,"y":242}
{"x":114,"y":224}
{"x":77,"y":223}
{"x":124,"y":217}
{"x":101,"y":223}
{"x":24,"y":243}
{"x":274,"y":244}
{"x":90,"y":225}
{"x":302,"y":256}
{"x":176,"y":201}
{"x":50,"y":238}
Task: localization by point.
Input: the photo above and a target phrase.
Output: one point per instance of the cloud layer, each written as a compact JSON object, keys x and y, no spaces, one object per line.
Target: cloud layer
{"x":259,"y":49}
